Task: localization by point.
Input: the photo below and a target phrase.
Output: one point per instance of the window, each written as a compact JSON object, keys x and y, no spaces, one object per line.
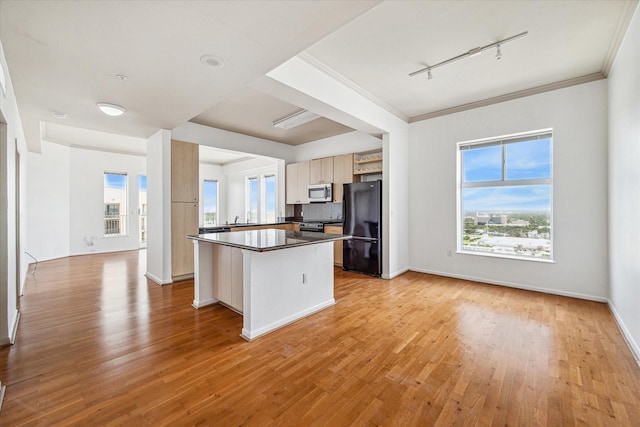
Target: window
{"x":504,"y":196}
{"x":210,"y":202}
{"x":115,"y":204}
{"x":269,"y":197}
{"x":252,"y":199}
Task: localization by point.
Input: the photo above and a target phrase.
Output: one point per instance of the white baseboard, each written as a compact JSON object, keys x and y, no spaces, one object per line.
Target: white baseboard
{"x":395,"y":274}
{"x":2,"y":391}
{"x":203,"y":303}
{"x":513,"y":285}
{"x":157,"y":279}
{"x":14,"y":330}
{"x":633,"y":345}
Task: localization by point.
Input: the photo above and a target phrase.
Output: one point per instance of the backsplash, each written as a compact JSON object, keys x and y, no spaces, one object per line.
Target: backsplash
{"x":318,"y":211}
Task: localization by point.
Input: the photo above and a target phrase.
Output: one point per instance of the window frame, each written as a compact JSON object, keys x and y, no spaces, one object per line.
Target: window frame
{"x":217,"y":221}
{"x":504,"y":182}
{"x":124,"y":229}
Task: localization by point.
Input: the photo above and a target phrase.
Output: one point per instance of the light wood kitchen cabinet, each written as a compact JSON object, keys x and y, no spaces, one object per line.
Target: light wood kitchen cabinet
{"x":184,"y":171}
{"x":227,"y":269}
{"x":321,"y":171}
{"x":337,"y":246}
{"x":184,"y":206}
{"x":184,"y":221}
{"x":342,"y":174}
{"x":297,"y":182}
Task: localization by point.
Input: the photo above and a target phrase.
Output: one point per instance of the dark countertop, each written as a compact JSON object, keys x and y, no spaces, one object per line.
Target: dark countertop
{"x":268,"y":239}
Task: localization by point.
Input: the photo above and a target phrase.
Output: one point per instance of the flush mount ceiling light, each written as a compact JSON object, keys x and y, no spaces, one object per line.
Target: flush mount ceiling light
{"x":59,"y":115}
{"x":296,"y":119}
{"x":473,"y":52}
{"x":121,"y":77}
{"x":111,"y":109}
{"x":212,"y":61}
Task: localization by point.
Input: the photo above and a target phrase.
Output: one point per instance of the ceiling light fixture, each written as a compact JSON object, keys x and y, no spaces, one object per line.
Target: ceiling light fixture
{"x":121,"y":77}
{"x":469,"y":54}
{"x":296,"y":119}
{"x":59,"y":115}
{"x":212,"y":61}
{"x":111,"y":109}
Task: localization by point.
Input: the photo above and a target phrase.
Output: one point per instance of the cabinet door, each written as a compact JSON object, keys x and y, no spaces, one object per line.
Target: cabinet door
{"x":303,"y":182}
{"x":236,"y":279}
{"x":315,"y":171}
{"x":292,"y":184}
{"x":327,"y":170}
{"x":222,"y":273}
{"x":337,"y":246}
{"x":342,"y":174}
{"x":184,"y":172}
{"x":184,"y":221}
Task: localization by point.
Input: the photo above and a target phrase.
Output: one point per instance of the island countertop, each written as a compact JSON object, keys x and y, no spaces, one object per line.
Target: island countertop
{"x":268,"y":239}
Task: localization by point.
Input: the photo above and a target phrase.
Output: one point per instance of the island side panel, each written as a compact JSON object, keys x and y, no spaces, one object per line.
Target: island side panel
{"x":274,"y":292}
{"x":203,"y":277}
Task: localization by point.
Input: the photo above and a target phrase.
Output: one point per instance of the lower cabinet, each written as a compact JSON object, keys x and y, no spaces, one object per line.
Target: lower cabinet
{"x":184,"y":221}
{"x":227,"y":268}
{"x":337,"y":246}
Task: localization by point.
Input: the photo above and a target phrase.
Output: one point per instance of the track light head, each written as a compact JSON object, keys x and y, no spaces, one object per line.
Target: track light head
{"x":498,"y":52}
{"x":429,"y":75}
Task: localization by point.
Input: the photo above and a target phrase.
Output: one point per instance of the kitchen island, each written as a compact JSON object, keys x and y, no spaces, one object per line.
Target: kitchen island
{"x":272,"y":277}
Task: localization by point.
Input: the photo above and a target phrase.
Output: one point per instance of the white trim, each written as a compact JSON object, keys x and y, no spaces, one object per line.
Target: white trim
{"x":204,"y":302}
{"x":510,"y":96}
{"x":395,"y":273}
{"x":156,"y":279}
{"x":251,"y":335}
{"x":14,"y":330}
{"x":620,"y":34}
{"x":628,"y":338}
{"x":512,"y":285}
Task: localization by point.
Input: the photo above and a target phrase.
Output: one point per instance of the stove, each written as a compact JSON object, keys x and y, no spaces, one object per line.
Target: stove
{"x":317,"y":225}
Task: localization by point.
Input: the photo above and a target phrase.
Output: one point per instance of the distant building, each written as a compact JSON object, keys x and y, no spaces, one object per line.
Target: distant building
{"x":481,"y":218}
{"x":498,"y":219}
{"x":519,"y":223}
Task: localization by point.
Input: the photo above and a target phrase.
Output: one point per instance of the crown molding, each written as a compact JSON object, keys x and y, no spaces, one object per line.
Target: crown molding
{"x":510,"y":96}
{"x":624,"y":21}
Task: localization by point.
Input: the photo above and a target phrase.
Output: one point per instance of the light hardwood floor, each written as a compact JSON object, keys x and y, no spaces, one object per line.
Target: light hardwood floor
{"x":98,"y":345}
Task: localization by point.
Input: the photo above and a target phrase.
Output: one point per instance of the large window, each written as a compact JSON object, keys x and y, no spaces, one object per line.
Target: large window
{"x":252,"y":199}
{"x":210,"y":202}
{"x":505,"y":196}
{"x":115,"y":204}
{"x":269,"y":197}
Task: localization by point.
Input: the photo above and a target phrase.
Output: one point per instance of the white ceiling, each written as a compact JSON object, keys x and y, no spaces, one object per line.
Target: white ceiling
{"x":64,"y":56}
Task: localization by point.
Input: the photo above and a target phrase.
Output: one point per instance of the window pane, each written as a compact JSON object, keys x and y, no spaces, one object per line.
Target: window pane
{"x":115,"y":204}
{"x":508,"y":220}
{"x":528,"y":160}
{"x":270,"y":197}
{"x":253,"y":200}
{"x":482,"y":164}
{"x":210,"y":193}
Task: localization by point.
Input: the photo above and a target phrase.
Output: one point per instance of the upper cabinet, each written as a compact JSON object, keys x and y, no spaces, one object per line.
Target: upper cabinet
{"x":368,"y":162}
{"x":321,"y":171}
{"x":342,"y":174}
{"x":297,"y":179}
{"x":184,"y":172}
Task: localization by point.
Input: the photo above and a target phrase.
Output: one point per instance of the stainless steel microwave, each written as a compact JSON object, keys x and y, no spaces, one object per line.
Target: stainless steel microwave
{"x":319,"y":193}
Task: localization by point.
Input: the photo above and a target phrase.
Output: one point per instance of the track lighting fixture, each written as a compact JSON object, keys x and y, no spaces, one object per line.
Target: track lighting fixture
{"x":469,"y":54}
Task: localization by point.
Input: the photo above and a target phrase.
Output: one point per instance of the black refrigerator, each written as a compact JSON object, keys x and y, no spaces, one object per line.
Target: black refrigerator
{"x":362,"y":204}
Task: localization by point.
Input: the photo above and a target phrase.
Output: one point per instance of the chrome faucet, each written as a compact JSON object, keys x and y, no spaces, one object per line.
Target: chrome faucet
{"x":235,"y":221}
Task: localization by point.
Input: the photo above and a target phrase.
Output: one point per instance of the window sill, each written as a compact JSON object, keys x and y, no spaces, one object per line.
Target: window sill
{"x":506,"y":256}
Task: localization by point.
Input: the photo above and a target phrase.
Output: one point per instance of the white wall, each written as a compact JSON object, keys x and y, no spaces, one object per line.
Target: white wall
{"x":86,"y":212}
{"x":352,"y":142}
{"x":11,"y":140}
{"x":578,"y":116}
{"x":624,"y":185}
{"x":49,"y":200}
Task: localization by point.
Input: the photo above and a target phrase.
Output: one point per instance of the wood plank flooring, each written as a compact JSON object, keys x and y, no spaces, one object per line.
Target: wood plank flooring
{"x":100,"y":345}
